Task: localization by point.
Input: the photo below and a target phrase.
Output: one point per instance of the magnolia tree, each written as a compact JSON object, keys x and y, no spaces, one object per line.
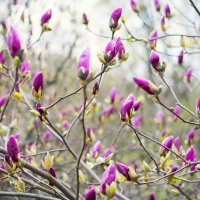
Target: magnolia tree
{"x":122,"y":148}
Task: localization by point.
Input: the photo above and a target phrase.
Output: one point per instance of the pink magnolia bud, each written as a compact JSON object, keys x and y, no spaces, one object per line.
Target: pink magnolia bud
{"x":47,"y":136}
{"x":180,"y":57}
{"x":95,"y":88}
{"x":91,"y":195}
{"x":167,"y":11}
{"x":154,"y":60}
{"x":38,"y":85}
{"x":13,"y":41}
{"x":126,"y":111}
{"x":53,"y":173}
{"x":188,"y":75}
{"x":84,"y":64}
{"x":113,"y":94}
{"x":112,"y":49}
{"x":190,"y":154}
{"x":190,"y":137}
{"x":25,"y":66}
{"x":3,"y":23}
{"x":96,"y":149}
{"x":136,"y":105}
{"x":46,"y":17}
{"x":107,"y":178}
{"x":152,"y":41}
{"x":166,"y":143}
{"x":65,"y":124}
{"x":85,"y":19}
{"x":162,"y":23}
{"x":116,"y":14}
{"x":3,"y":100}
{"x":152,"y":196}
{"x":177,"y":111}
{"x":159,"y":117}
{"x":147,"y":85}
{"x":177,"y":143}
{"x":106,"y":153}
{"x":13,"y":148}
{"x":1,"y":57}
{"x":198,"y":108}
{"x":124,"y":170}
{"x":157,"y":5}
{"x":134,"y":6}
{"x":137,"y":121}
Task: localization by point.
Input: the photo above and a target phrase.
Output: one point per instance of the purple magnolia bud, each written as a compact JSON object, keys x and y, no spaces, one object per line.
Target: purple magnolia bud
{"x":190,"y":137}
{"x":152,"y":196}
{"x":126,"y":111}
{"x":113,"y":94}
{"x":107,"y":111}
{"x":84,"y":64}
{"x":192,"y":168}
{"x":180,"y":57}
{"x":124,"y":170}
{"x":137,"y":105}
{"x":190,"y":154}
{"x":13,"y":41}
{"x":177,"y":143}
{"x":106,"y":153}
{"x":13,"y":148}
{"x":188,"y":75}
{"x":137,"y":121}
{"x":25,"y":66}
{"x":154,"y":60}
{"x":157,"y":5}
{"x":166,"y":143}
{"x":116,"y":14}
{"x":107,"y":178}
{"x":136,"y":167}
{"x":1,"y":57}
{"x":162,"y":23}
{"x":96,"y":149}
{"x":147,"y":85}
{"x":65,"y":124}
{"x":95,"y":88}
{"x":3,"y":100}
{"x":177,"y":111}
{"x":121,"y":51}
{"x":47,"y":136}
{"x":198,"y":108}
{"x":62,"y":113}
{"x":112,"y":49}
{"x":152,"y":41}
{"x":159,"y":117}
{"x":46,"y":17}
{"x":85,"y":19}
{"x":167,"y":11}
{"x":134,"y":6}
{"x":53,"y":173}
{"x":38,"y":85}
{"x":91,"y":195}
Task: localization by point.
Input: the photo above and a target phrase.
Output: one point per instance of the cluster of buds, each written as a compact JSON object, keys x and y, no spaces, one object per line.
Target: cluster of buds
{"x":128,"y":172}
{"x":45,"y":19}
{"x":113,"y":24}
{"x":148,"y":86}
{"x":158,"y":67}
{"x":113,"y":48}
{"x":84,"y":74}
{"x":107,"y":184}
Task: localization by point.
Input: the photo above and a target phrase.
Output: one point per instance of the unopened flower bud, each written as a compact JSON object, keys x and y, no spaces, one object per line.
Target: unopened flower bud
{"x":85,"y":19}
{"x":134,"y":6}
